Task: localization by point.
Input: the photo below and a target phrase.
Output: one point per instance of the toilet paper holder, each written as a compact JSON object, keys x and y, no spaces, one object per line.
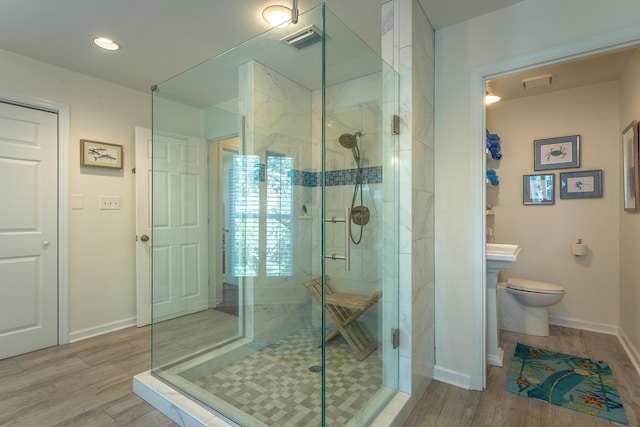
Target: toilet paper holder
{"x":579,"y":248}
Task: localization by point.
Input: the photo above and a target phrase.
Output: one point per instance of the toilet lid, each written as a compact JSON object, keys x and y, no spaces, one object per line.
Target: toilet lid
{"x":534,"y":286}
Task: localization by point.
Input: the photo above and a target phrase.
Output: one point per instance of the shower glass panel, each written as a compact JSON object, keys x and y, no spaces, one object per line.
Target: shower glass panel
{"x":252,"y":197}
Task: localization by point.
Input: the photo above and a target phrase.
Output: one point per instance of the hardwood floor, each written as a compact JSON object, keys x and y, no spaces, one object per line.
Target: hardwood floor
{"x":444,"y":405}
{"x":86,"y":384}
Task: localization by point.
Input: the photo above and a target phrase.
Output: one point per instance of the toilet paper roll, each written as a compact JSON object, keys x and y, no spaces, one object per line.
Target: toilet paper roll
{"x":579,"y":249}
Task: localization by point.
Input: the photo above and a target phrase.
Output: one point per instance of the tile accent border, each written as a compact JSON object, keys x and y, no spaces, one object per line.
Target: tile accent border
{"x":370,"y":175}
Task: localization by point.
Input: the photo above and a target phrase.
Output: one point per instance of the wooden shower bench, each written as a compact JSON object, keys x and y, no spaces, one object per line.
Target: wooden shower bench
{"x":343,"y":309}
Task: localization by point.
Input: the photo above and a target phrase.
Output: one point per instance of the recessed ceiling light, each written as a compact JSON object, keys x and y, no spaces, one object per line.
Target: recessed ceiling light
{"x":106,"y":43}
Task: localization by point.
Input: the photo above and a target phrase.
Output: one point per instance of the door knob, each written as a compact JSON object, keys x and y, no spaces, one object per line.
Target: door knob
{"x":46,"y":243}
{"x":144,"y":238}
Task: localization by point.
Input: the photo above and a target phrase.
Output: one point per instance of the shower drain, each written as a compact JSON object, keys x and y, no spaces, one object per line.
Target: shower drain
{"x":315,"y":368}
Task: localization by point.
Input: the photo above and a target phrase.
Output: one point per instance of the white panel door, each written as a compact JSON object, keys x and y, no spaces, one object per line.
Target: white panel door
{"x":179,"y":239}
{"x":28,"y":229}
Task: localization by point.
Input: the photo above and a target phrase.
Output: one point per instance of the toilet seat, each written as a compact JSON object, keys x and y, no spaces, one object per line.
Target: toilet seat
{"x":534,"y":286}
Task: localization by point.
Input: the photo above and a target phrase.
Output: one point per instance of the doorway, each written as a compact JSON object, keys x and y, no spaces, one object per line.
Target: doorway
{"x":591,"y":82}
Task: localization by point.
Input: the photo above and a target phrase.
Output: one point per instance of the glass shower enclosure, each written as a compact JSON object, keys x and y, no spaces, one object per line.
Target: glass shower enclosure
{"x":274,"y":229}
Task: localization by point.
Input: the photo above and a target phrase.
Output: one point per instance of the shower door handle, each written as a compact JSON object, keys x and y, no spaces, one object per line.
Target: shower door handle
{"x":347,"y":238}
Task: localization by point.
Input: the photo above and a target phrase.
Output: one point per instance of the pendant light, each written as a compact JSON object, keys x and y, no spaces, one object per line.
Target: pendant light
{"x":279,"y":16}
{"x":490,"y":97}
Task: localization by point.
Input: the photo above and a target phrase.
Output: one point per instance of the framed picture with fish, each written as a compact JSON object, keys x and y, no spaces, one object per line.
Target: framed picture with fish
{"x":100,"y":154}
{"x":556,"y":153}
{"x":581,"y":184}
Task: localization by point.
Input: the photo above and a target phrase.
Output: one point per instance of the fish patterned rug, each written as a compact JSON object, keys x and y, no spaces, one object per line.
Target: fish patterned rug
{"x":573,"y":382}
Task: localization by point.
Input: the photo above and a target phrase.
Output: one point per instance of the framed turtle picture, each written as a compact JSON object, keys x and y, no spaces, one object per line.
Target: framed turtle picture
{"x":556,"y":153}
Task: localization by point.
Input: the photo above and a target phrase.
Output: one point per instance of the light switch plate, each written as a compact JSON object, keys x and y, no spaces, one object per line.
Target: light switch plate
{"x":109,"y":202}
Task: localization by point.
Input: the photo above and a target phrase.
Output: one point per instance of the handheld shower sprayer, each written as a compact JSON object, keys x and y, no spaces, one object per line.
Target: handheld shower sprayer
{"x":350,"y":141}
{"x":359,"y":214}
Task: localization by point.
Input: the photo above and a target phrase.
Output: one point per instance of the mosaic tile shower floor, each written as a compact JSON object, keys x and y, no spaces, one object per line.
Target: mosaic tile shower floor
{"x":275,"y":386}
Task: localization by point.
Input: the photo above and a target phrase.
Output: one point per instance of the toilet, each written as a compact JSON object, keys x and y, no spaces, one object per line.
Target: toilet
{"x":522,"y":305}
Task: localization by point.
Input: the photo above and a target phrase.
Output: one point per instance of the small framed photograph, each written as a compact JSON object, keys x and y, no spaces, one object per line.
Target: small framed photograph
{"x":581,"y":185}
{"x":538,"y":189}
{"x":100,"y":154}
{"x":630,"y":167}
{"x":556,"y":153}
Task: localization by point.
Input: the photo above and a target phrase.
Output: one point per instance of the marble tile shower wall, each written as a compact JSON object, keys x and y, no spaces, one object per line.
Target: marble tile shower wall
{"x":285,"y":118}
{"x":408,"y":43}
{"x":278,"y":121}
{"x":422,"y":209}
{"x":351,"y":107}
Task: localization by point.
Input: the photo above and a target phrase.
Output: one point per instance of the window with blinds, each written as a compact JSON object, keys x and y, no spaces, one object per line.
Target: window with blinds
{"x":245,"y":216}
{"x":279,"y":250}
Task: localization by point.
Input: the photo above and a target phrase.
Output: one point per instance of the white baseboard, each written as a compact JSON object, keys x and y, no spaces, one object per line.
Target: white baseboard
{"x":452,"y":377}
{"x":581,"y":324}
{"x":627,"y":345}
{"x":462,"y":380}
{"x":83,"y":334}
{"x":630,"y":349}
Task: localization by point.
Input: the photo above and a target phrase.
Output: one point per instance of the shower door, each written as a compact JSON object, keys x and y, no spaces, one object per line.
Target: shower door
{"x":309,"y":197}
{"x":360,"y":162}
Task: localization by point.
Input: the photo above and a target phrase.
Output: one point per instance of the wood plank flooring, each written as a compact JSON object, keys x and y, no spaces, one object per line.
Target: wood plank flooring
{"x":444,"y":405}
{"x":181,"y":337}
{"x":86,"y":384}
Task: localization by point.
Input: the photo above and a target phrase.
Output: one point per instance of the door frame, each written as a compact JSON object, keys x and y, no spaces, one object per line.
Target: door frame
{"x":62,"y":111}
{"x":216,"y":179}
{"x":578,"y":49}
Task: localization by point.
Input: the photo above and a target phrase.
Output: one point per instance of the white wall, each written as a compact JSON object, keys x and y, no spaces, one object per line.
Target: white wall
{"x":102,"y":243}
{"x":630,"y":222}
{"x":545,"y":232}
{"x":524,"y":35}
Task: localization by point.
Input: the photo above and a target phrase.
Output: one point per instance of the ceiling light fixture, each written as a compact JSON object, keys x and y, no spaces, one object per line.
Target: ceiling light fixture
{"x":106,"y":43}
{"x":490,"y":97}
{"x":279,"y":16}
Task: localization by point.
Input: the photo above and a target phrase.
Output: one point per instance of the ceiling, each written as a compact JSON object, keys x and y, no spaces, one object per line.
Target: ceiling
{"x":161,"y":38}
{"x":566,"y":75}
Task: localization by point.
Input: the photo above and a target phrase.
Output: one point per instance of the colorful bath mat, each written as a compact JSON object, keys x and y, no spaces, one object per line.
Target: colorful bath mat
{"x":573,"y":382}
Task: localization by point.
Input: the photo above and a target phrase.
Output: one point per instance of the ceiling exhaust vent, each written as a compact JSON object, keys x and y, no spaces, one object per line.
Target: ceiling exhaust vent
{"x":303,"y":38}
{"x":537,"y":81}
